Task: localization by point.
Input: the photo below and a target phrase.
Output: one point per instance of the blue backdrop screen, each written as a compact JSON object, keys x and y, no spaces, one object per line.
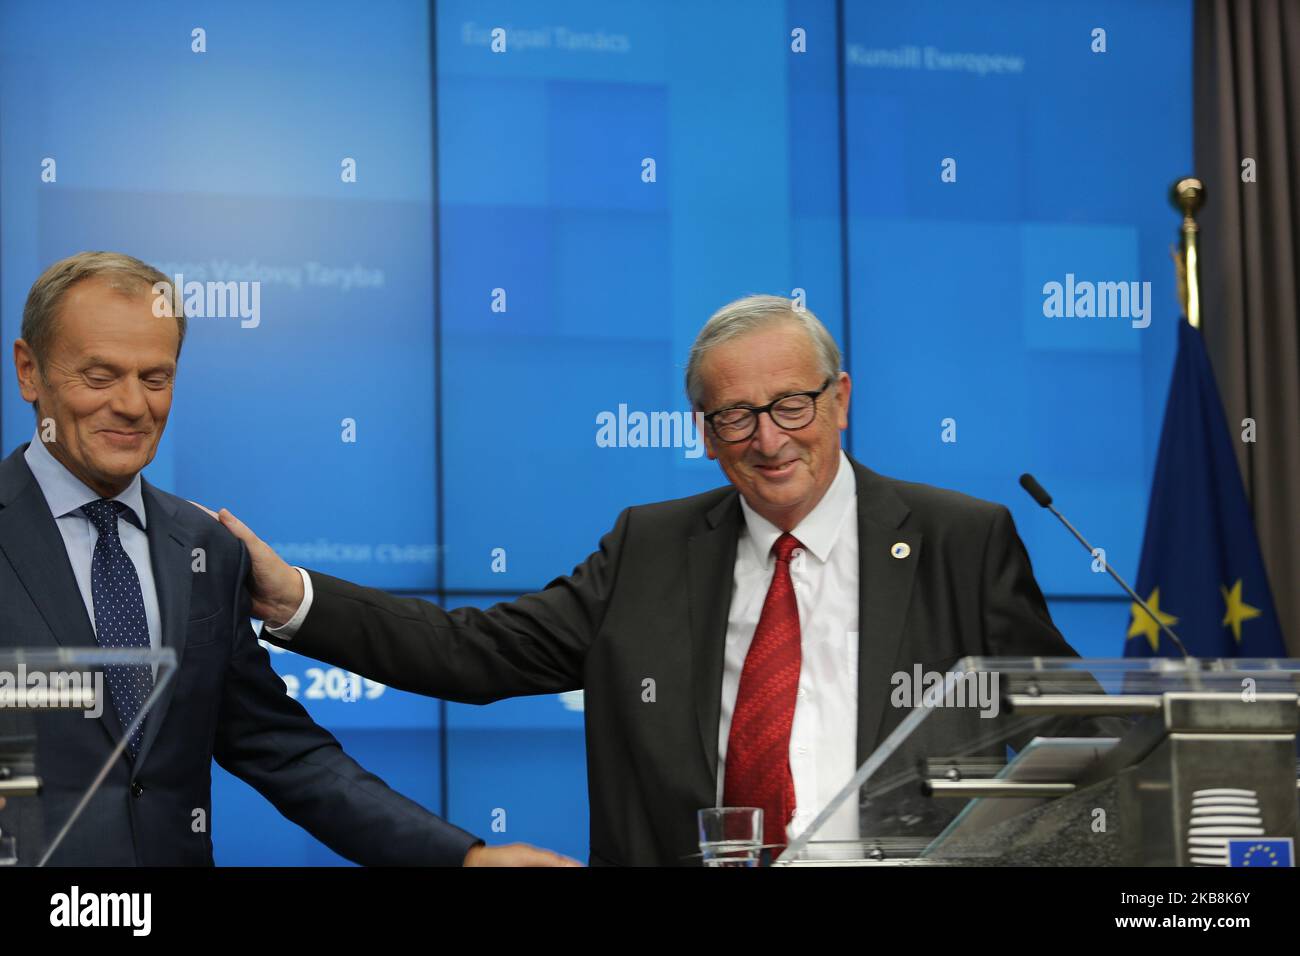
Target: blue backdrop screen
{"x":467,"y":260}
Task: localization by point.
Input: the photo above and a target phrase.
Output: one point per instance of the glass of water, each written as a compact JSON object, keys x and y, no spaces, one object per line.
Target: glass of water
{"x":731,"y":836}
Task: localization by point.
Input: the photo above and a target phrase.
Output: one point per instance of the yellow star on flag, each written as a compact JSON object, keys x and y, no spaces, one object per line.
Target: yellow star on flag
{"x":1145,"y":625}
{"x":1237,"y":609}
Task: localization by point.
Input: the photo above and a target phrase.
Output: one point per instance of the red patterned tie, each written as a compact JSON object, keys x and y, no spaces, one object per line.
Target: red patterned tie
{"x":758,"y":747}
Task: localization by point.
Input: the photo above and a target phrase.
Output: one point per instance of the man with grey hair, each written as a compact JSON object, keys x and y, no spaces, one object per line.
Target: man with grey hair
{"x":737,"y":646}
{"x":91,"y":555}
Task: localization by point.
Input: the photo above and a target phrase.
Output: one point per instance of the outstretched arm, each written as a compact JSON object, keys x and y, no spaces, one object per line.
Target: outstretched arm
{"x":536,"y":644}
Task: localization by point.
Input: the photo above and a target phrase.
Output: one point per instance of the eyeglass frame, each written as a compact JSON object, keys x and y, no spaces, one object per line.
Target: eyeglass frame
{"x":758,"y":410}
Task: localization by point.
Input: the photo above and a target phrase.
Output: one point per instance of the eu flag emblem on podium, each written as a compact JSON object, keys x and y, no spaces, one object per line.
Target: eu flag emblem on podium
{"x":1201,"y":569}
{"x":1260,"y":851}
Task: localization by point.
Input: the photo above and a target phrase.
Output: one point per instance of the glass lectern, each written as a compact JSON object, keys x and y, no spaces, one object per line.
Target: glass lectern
{"x":49,"y":777}
{"x":1074,"y":762}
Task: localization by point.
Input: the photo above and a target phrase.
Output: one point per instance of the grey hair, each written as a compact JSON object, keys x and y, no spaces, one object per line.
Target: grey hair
{"x":123,"y":273}
{"x":747,"y":314}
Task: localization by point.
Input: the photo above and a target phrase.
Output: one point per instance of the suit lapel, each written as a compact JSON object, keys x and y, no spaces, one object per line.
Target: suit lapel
{"x":170,"y":557}
{"x":884,"y":592}
{"x":30,"y":540}
{"x":711,"y":560}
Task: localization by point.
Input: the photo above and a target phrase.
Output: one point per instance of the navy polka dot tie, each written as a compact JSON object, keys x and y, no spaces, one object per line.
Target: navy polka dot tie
{"x":119,"y":614}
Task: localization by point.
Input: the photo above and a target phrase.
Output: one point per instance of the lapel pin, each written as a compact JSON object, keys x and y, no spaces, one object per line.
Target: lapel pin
{"x":901,"y":550}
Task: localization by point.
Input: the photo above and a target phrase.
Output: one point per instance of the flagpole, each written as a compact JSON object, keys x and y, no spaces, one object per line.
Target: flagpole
{"x":1188,"y":195}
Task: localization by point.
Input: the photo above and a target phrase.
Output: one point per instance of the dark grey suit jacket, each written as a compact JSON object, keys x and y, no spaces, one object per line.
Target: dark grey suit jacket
{"x":652,"y":602}
{"x":224,"y":702}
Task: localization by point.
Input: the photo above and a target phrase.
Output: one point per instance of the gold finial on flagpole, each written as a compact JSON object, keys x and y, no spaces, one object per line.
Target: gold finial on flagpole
{"x":1188,"y":195}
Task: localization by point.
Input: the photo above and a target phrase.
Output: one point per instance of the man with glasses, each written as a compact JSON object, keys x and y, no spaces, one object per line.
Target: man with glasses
{"x":737,"y":646}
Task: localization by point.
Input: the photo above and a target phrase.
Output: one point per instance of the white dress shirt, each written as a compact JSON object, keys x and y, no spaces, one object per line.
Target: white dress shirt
{"x":824,"y":735}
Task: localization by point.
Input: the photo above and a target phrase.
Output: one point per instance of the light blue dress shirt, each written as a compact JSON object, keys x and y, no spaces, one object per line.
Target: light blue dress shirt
{"x":65,"y":494}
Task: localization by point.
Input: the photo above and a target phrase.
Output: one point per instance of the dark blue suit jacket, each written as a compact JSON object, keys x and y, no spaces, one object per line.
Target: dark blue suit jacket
{"x":224,"y":702}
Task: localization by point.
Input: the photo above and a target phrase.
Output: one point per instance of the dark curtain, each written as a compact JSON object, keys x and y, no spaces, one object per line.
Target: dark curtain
{"x":1246,"y":102}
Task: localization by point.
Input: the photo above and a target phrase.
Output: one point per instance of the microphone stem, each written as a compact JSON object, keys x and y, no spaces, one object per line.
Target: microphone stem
{"x":1122,"y":583}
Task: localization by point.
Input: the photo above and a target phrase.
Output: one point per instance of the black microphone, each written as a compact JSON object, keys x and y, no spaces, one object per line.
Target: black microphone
{"x":1039,"y":494}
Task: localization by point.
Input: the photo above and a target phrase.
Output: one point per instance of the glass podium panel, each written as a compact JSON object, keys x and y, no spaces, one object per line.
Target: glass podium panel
{"x":1071,"y":761}
{"x":51,"y":771}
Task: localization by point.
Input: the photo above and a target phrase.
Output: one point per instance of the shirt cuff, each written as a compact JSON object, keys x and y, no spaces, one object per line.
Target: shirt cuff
{"x":289,"y":628}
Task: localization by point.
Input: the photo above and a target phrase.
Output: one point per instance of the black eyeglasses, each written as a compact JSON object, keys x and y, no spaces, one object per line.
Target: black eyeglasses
{"x":791,"y":412}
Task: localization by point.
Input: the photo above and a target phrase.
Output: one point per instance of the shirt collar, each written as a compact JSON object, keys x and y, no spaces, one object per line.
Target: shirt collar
{"x":65,"y":493}
{"x":819,"y":529}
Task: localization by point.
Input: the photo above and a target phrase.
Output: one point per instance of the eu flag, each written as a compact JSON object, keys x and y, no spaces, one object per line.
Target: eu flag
{"x":1260,"y":851}
{"x":1201,"y":569}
